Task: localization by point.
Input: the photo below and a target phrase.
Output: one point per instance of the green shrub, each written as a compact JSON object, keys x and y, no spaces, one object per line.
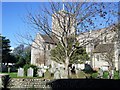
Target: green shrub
{"x":95,"y":75}
{"x":116,"y":74}
{"x":88,"y":69}
{"x":105,"y":74}
{"x":27,"y":66}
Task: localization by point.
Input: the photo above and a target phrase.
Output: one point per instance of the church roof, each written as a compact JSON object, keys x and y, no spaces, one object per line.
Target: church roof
{"x":102,"y":48}
{"x":49,"y":39}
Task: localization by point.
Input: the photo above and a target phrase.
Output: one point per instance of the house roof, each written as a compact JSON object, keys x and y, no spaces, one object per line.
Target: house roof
{"x":49,"y":39}
{"x":102,"y":48}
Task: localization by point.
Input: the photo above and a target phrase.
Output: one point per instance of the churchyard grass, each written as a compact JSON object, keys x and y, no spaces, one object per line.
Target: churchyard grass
{"x":80,"y":75}
{"x":12,"y":74}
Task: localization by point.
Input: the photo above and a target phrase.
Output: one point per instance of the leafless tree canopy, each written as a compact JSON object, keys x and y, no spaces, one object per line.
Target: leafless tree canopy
{"x":71,"y":19}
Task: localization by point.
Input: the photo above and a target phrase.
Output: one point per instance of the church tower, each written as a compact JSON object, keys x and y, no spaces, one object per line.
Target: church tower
{"x":62,"y":23}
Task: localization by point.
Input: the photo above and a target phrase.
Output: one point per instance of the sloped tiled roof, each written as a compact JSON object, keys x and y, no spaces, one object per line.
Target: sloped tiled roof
{"x":48,"y":39}
{"x":102,"y":48}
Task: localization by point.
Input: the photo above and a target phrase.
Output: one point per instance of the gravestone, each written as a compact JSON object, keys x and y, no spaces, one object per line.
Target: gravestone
{"x":52,"y":70}
{"x":77,"y":71}
{"x":57,"y":74}
{"x":40,"y":73}
{"x":20,"y":72}
{"x":100,"y":73}
{"x":47,"y":75}
{"x":62,"y":71}
{"x":30,"y":72}
{"x":45,"y":67}
{"x":43,"y":70}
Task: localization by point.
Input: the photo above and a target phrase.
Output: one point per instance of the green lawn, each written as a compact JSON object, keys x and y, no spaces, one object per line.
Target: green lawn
{"x":81,"y":74}
{"x":12,"y":74}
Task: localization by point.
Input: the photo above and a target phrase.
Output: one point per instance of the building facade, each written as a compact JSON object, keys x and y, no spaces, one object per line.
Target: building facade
{"x":98,"y":43}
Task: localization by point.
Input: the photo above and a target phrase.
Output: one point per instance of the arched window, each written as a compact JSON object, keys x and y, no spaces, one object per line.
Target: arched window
{"x":48,"y":46}
{"x":97,"y":57}
{"x":105,"y":39}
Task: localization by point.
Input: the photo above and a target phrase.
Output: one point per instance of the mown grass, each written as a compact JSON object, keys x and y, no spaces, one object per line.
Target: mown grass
{"x":81,"y":74}
{"x":12,"y":74}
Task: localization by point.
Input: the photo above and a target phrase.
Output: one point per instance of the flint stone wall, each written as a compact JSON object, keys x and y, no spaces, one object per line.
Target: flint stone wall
{"x":28,"y":83}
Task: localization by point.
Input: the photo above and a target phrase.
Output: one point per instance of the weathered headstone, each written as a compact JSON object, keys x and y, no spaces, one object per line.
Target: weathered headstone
{"x":62,"y":72}
{"x":57,"y":74}
{"x":47,"y":75}
{"x":45,"y":67}
{"x":51,"y":70}
{"x":100,"y":73}
{"x":20,"y":72}
{"x":30,"y":72}
{"x":40,"y":73}
{"x":43,"y":70}
{"x":8,"y":69}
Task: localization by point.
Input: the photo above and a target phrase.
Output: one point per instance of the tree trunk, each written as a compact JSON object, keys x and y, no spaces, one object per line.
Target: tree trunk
{"x":66,"y":67}
{"x":111,"y":72}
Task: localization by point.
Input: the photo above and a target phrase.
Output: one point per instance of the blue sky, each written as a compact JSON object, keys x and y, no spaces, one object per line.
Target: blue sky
{"x":12,"y":18}
{"x":12,"y":15}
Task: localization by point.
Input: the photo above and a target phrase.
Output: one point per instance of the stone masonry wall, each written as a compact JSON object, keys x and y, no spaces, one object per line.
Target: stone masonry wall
{"x":28,"y":83}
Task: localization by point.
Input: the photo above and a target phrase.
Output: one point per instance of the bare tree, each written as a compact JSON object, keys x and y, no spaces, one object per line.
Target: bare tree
{"x":74,"y":19}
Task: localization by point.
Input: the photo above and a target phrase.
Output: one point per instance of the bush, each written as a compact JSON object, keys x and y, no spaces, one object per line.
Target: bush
{"x":88,"y":69}
{"x":95,"y":75}
{"x":26,"y":67}
{"x":116,"y":74}
{"x":105,"y":74}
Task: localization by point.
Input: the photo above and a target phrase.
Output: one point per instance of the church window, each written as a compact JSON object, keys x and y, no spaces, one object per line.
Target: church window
{"x":105,"y":39}
{"x":48,"y":46}
{"x":97,"y":57}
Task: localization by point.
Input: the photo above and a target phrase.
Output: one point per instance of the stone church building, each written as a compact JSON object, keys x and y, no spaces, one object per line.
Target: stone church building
{"x":101,"y":46}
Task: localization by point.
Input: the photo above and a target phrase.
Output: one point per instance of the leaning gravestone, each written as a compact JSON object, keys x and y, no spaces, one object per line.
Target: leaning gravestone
{"x":63,"y":73}
{"x":30,"y":72}
{"x":47,"y":75}
{"x":57,"y":74}
{"x":20,"y":72}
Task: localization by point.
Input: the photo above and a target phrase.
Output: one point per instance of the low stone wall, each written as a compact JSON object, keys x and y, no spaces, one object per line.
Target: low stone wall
{"x":3,"y":77}
{"x":28,"y":83}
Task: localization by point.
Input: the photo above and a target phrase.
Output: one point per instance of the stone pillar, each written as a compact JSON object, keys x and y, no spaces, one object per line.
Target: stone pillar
{"x":1,"y":81}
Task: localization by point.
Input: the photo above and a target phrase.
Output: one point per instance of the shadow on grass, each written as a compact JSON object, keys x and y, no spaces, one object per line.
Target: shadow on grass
{"x":84,"y":83}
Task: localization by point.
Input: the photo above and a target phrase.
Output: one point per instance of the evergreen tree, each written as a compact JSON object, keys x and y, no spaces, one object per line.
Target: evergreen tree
{"x":78,"y":56}
{"x":5,"y":43}
{"x":23,"y":55}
